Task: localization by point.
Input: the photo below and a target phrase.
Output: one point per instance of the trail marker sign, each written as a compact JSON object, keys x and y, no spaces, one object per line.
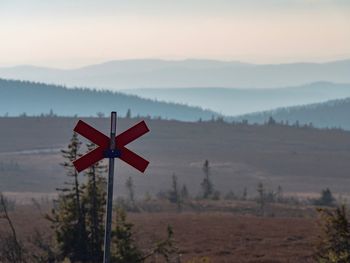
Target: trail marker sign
{"x":110,"y":147}
{"x":103,"y":150}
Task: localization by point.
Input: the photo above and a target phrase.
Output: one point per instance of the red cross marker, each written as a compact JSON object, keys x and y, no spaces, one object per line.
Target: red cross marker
{"x":103,"y":143}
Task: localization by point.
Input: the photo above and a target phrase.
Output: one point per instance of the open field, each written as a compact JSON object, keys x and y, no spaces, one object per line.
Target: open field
{"x":217,"y":236}
{"x":301,"y":160}
{"x":223,"y":237}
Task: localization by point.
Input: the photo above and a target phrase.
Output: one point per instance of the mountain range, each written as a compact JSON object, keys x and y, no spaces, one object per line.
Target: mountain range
{"x":147,"y":73}
{"x":19,"y":97}
{"x":185,"y":90}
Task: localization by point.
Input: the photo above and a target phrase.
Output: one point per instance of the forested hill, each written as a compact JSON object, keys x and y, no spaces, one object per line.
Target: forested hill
{"x":330,"y":114}
{"x":19,"y":97}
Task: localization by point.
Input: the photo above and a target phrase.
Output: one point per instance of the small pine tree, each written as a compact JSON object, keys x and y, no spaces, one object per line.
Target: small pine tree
{"x":271,"y":121}
{"x":334,"y":243}
{"x":68,"y":218}
{"x":100,"y":114}
{"x":326,"y":198}
{"x":279,"y":194}
{"x":245,"y":194}
{"x":51,"y":113}
{"x":128,"y":114}
{"x":165,"y":248}
{"x":174,"y":195}
{"x":11,"y":248}
{"x":131,"y":205}
{"x":129,"y":184}
{"x":261,"y":198}
{"x":94,"y":200}
{"x":184,"y":193}
{"x":124,"y":249}
{"x":207,"y":185}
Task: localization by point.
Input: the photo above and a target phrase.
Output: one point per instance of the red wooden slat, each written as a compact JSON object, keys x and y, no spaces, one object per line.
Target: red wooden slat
{"x":131,"y":134}
{"x":89,"y":159}
{"x":133,"y":159}
{"x":91,"y":134}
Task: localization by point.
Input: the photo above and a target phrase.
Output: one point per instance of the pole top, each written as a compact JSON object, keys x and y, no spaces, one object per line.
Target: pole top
{"x":113,"y":122}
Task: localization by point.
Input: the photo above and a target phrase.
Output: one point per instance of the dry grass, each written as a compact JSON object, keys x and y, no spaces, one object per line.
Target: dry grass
{"x":219,"y":236}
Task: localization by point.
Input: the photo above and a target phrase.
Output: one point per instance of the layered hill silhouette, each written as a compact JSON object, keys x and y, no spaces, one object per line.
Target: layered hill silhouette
{"x":146,"y":73}
{"x":28,"y":98}
{"x":23,"y":97}
{"x":241,"y":101}
{"x":330,"y":114}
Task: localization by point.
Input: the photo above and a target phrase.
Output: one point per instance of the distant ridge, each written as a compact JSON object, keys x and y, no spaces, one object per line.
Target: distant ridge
{"x":330,"y":114}
{"x":242,"y":101}
{"x":18,"y":97}
{"x":153,"y":73}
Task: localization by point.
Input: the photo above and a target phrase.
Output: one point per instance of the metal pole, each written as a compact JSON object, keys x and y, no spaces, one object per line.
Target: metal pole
{"x":107,"y":241}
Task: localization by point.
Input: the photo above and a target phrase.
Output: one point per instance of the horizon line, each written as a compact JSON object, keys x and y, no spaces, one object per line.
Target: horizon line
{"x":103,"y":62}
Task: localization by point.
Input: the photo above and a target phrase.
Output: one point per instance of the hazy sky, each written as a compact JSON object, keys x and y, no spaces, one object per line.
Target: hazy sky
{"x":71,"y":33}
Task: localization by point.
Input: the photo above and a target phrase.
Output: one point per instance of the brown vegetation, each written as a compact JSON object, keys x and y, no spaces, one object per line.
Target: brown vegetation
{"x":218,"y":236}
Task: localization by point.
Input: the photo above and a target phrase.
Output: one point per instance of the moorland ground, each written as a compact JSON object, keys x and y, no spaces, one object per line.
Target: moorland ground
{"x":212,"y":235}
{"x":301,"y":160}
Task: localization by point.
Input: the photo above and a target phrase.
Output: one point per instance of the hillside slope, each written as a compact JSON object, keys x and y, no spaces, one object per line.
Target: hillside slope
{"x":334,"y":113}
{"x":18,"y":97}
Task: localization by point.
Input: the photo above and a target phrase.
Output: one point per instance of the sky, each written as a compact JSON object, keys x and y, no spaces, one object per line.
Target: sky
{"x":73,"y":33}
